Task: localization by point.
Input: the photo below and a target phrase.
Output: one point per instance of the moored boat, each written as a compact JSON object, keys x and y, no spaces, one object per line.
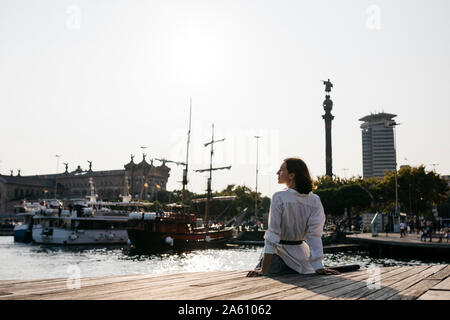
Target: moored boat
{"x":85,"y":223}
{"x":73,"y":230}
{"x":173,"y":229}
{"x":25,"y":210}
{"x":22,"y":232}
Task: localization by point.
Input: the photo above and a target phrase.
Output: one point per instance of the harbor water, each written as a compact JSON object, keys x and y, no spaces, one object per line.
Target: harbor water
{"x":31,"y":261}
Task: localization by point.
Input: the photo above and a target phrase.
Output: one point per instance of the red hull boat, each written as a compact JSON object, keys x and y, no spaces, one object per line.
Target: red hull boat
{"x":148,"y":230}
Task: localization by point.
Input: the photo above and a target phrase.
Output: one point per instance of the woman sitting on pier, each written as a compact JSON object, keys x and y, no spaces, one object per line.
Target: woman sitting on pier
{"x":296,"y":215}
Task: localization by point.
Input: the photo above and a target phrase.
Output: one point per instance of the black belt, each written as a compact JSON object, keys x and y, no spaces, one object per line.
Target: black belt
{"x":291,"y":243}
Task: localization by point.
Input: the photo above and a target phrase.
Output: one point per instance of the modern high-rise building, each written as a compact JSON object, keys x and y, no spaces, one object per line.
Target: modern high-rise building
{"x":378,"y":146}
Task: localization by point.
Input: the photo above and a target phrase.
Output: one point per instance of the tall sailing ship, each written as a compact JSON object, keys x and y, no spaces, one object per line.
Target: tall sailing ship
{"x":177,"y":227}
{"x":174,"y":228}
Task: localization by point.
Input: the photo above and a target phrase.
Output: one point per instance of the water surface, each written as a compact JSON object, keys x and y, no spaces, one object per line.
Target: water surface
{"x":31,"y":261}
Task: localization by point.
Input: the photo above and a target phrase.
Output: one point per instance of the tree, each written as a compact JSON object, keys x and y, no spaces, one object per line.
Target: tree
{"x":353,"y":196}
{"x":176,"y":196}
{"x":418,"y":190}
{"x":265,"y":204}
{"x":165,"y":196}
{"x":350,"y":195}
{"x":444,"y":209}
{"x":156,"y":205}
{"x":329,"y":201}
{"x":327,"y":182}
{"x":375,"y":189}
{"x":226,"y":210}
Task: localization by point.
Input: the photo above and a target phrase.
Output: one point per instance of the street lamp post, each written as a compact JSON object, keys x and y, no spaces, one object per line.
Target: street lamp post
{"x":256,"y":193}
{"x":394,"y":124}
{"x":397,"y":213}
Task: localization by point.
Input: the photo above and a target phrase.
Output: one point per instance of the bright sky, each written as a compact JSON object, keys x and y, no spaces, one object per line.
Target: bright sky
{"x":96,"y":80}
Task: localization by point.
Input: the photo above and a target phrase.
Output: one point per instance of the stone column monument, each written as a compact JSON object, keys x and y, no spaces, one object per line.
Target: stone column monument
{"x":328,"y":117}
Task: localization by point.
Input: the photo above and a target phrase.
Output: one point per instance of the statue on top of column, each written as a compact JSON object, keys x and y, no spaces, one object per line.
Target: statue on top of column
{"x":328,"y":85}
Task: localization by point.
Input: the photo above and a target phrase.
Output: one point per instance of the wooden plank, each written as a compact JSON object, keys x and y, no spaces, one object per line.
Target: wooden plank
{"x":257,"y":289}
{"x":443,"y":285}
{"x":63,"y":292}
{"x":97,"y":283}
{"x":387,"y":287}
{"x":350,"y":288}
{"x":414,"y":291}
{"x":122,"y":290}
{"x":357,"y":291}
{"x":4,"y":293}
{"x":37,"y":288}
{"x":306,"y":290}
{"x":277,"y":291}
{"x":312,"y":291}
{"x":150,"y":291}
{"x":192,"y":291}
{"x":180,"y":290}
{"x":187,"y":290}
{"x":11,"y":283}
{"x":394,"y":288}
{"x":49,"y":282}
{"x":420,"y":287}
{"x":444,"y":273}
{"x":216,"y":290}
{"x":435,"y":295}
{"x":287,"y":287}
{"x":59,"y":281}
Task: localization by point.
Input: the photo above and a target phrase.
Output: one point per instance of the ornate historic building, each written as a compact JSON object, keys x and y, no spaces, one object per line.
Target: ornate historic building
{"x":142,"y":180}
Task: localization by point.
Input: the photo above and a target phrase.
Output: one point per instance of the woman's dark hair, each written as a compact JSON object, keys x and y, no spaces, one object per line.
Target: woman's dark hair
{"x":303,"y":181}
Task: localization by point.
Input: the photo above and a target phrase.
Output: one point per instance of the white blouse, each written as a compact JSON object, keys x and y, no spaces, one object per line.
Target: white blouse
{"x":294,"y":216}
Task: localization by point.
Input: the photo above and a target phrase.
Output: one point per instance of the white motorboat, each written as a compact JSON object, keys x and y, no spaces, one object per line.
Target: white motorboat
{"x":86,"y":221}
{"x":68,"y":229}
{"x":25,"y":210}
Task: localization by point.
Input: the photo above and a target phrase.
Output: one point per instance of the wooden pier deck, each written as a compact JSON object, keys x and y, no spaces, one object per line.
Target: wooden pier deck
{"x":394,"y":283}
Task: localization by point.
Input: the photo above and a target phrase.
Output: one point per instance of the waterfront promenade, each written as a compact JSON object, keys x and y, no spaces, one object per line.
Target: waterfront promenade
{"x":412,"y":240}
{"x":387,"y":283}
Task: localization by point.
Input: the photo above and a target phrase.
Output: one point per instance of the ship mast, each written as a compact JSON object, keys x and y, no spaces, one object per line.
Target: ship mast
{"x":185,"y":171}
{"x":178,"y":163}
{"x":211,"y":169}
